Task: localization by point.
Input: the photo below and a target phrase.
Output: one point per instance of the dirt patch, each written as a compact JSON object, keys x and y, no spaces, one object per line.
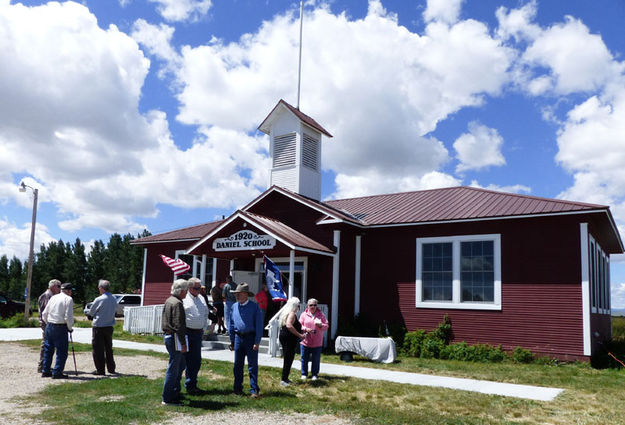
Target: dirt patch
{"x":19,"y":378}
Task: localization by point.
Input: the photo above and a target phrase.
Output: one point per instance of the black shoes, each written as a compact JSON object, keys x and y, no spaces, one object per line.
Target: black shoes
{"x":172,"y":403}
{"x":60,"y":376}
{"x":46,"y":374}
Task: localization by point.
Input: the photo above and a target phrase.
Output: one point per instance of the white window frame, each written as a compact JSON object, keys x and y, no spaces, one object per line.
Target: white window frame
{"x":456,"y":287}
{"x":599,"y":276}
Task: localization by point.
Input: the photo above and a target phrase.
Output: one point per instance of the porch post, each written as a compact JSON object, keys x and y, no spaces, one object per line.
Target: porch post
{"x":231,"y":267}
{"x":145,"y":260}
{"x":203,"y":270}
{"x":291,"y":272}
{"x":357,"y":277}
{"x":335,"y":284}
{"x":214,"y":282}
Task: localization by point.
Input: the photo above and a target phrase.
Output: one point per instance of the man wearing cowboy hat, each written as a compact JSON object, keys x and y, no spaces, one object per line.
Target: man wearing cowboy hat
{"x":245,"y":329}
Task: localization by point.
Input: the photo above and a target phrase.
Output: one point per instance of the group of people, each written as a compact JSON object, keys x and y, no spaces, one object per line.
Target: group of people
{"x":184,"y":320}
{"x":56,"y":318}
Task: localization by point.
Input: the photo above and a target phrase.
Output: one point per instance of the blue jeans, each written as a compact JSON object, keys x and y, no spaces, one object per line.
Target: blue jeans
{"x":193,"y":360}
{"x":314,"y":355}
{"x":227,"y":313}
{"x":56,"y":338}
{"x":171,"y":386}
{"x":243,"y":346}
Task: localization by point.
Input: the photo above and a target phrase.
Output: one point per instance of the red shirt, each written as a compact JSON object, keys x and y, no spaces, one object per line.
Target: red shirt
{"x":262,"y":300}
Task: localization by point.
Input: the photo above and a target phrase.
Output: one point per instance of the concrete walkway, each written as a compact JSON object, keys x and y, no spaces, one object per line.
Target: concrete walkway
{"x":83,"y":335}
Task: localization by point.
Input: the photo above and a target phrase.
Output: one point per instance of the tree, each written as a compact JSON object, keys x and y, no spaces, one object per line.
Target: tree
{"x":4,"y":274}
{"x":17,"y":279}
{"x":75,"y":270}
{"x":95,"y":269}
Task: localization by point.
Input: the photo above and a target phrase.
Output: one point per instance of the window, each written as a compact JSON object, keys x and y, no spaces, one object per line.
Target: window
{"x":599,"y":271}
{"x":459,"y":272}
{"x":197,"y":263}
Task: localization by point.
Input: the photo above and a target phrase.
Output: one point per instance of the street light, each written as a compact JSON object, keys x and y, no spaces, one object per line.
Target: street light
{"x":29,"y":276}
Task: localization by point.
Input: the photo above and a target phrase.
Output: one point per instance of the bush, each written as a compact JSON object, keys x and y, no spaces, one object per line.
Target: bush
{"x":17,"y":321}
{"x":432,"y":346}
{"x":521,"y":355}
{"x":443,"y":331}
{"x":484,"y":353}
{"x":412,"y":343}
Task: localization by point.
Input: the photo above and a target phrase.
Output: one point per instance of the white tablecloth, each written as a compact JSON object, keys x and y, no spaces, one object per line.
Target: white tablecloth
{"x":377,"y":349}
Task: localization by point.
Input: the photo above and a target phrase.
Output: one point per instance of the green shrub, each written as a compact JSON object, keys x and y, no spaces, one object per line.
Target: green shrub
{"x":484,"y":353}
{"x":521,"y":355}
{"x":412,"y":343}
{"x":432,"y":346}
{"x":459,"y":351}
{"x":443,"y":331}
{"x":17,"y":321}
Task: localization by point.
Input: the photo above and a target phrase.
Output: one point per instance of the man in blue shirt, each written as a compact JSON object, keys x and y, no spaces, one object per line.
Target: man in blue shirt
{"x":246,"y":330}
{"x":103,"y":313}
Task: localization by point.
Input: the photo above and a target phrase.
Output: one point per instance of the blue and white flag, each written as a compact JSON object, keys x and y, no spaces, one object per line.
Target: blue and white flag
{"x":273,"y":278}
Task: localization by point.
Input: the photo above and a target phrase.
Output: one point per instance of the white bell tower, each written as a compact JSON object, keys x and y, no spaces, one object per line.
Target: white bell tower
{"x":295,"y":149}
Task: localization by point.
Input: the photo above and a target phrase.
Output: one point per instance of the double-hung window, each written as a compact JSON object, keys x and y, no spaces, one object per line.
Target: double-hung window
{"x":459,"y":272}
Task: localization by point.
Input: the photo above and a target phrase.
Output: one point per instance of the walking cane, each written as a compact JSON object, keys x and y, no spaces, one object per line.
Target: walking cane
{"x":73,"y":354}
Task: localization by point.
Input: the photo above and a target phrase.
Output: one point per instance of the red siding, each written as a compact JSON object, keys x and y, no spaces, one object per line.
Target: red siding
{"x":543,"y":318}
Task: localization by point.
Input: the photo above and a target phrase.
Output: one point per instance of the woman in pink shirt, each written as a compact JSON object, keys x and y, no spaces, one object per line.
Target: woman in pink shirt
{"x":313,"y":322}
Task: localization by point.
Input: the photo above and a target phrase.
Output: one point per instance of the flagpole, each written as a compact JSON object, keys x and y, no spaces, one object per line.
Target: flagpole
{"x":299,"y":71}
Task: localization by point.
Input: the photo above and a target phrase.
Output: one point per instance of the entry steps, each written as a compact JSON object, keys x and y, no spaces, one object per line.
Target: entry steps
{"x":222,"y":341}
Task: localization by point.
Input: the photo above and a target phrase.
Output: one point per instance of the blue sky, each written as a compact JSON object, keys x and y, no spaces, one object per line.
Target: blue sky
{"x":133,"y":114}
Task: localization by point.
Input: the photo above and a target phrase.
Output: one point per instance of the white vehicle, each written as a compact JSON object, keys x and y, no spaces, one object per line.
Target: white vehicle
{"x":123,"y":301}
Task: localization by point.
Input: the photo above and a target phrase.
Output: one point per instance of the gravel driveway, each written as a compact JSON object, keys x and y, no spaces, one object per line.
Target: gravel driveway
{"x":19,"y":378}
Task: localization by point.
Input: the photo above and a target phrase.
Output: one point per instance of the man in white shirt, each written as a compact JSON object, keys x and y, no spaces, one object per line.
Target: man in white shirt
{"x":59,"y":316}
{"x":54,"y":287}
{"x":196,"y":316}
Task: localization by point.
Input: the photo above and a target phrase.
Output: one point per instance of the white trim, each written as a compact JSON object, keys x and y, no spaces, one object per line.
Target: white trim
{"x":583,"y":236}
{"x":145,"y":261}
{"x":238,"y":214}
{"x":291,"y":272}
{"x":335,"y":283}
{"x":214,"y":282}
{"x":357,"y":275}
{"x":203,"y":270}
{"x":456,"y":281}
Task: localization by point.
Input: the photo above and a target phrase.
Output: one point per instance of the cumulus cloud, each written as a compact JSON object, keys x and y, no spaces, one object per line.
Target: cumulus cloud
{"x":369,"y":81}
{"x":442,"y":10}
{"x":479,"y":148}
{"x":182,"y":10}
{"x":515,"y":188}
{"x":156,"y":40}
{"x":15,"y":240}
{"x":70,"y":122}
{"x":377,"y":183}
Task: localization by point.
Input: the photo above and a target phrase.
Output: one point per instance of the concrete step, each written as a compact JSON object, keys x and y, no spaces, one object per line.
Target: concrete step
{"x":221,"y":342}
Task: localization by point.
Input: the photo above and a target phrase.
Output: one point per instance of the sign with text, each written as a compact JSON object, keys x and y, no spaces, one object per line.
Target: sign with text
{"x":244,"y":240}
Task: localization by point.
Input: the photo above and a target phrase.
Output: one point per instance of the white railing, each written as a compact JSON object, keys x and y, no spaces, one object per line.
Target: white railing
{"x":273,"y":327}
{"x":143,"y":320}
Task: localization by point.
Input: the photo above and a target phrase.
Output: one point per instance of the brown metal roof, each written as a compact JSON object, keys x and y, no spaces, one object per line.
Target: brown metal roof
{"x":299,"y":114}
{"x":454,"y":203}
{"x":185,"y":234}
{"x":286,"y":233}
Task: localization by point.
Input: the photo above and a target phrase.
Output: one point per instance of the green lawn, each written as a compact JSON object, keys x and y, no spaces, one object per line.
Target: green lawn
{"x":591,"y":396}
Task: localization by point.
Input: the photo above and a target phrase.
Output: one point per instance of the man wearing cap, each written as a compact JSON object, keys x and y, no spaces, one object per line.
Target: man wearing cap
{"x":103,"y":313}
{"x":54,"y":287}
{"x":196,"y":318}
{"x":175,"y":336}
{"x":59,"y":316}
{"x":245,"y":330}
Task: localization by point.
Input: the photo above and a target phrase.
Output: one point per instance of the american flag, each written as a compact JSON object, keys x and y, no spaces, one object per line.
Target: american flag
{"x":177,"y":265}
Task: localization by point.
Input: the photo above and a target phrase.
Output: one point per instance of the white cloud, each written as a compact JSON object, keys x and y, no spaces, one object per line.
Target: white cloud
{"x":370,"y":82}
{"x":371,"y":183}
{"x":442,"y":10}
{"x":516,"y":188}
{"x":479,"y":148}
{"x":517,"y":23}
{"x":182,"y":10}
{"x":15,"y":240}
{"x":156,"y":39}
{"x":618,"y":295}
{"x":69,"y":121}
